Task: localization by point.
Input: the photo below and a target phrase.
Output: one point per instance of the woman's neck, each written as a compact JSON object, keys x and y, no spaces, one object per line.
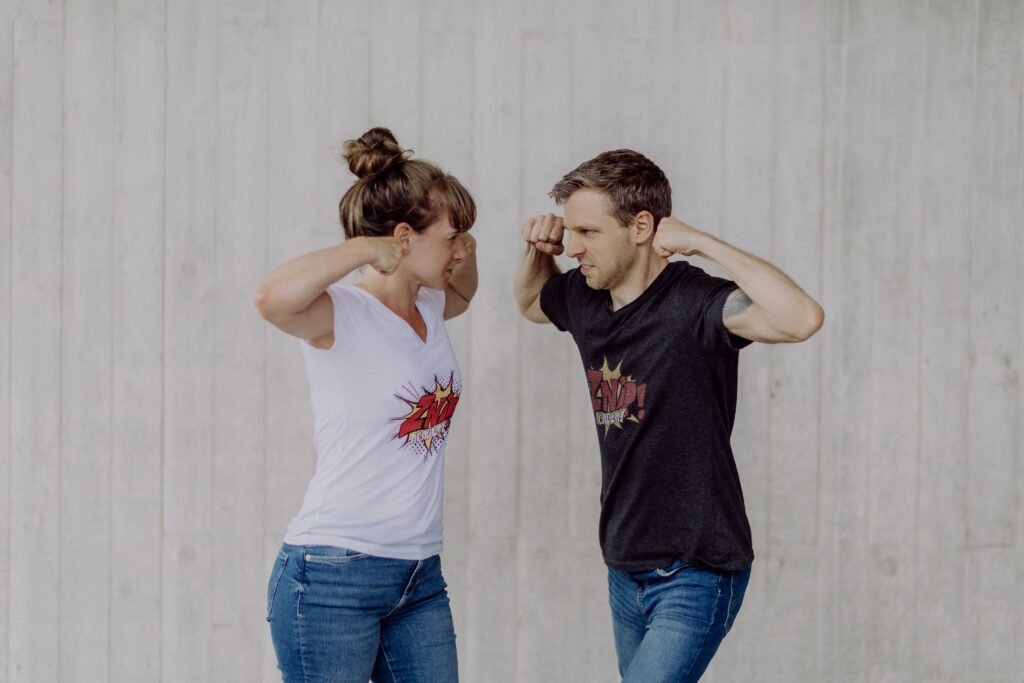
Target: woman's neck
{"x":394,"y":291}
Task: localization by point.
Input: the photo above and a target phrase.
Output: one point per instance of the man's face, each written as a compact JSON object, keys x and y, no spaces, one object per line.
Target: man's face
{"x":597,"y":240}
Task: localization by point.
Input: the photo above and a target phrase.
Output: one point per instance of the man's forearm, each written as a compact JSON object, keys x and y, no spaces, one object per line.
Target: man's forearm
{"x":534,"y":270}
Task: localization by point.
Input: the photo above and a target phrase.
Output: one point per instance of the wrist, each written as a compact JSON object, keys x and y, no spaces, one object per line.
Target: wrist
{"x":361,"y":249}
{"x":534,"y":255}
{"x":703,"y":244}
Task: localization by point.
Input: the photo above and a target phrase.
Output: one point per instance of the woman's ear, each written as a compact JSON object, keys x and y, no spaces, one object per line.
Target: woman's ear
{"x":403,"y":234}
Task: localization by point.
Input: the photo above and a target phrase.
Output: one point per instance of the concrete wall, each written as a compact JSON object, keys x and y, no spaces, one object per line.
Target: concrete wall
{"x":157,"y":157}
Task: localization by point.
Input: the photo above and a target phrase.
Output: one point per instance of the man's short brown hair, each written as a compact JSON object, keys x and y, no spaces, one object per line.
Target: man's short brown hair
{"x":631,"y":182}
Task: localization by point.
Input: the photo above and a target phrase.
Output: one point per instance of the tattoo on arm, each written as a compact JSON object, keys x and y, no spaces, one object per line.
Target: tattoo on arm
{"x":736,"y":303}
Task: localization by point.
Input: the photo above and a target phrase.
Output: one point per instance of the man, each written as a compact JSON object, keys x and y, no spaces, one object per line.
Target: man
{"x":659,"y":342}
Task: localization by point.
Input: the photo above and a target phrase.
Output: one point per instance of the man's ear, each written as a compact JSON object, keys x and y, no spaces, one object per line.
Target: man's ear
{"x":643,"y":228}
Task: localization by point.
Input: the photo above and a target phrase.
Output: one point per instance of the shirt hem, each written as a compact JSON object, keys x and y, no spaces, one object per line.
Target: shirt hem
{"x":402,"y":551}
{"x":633,"y":566}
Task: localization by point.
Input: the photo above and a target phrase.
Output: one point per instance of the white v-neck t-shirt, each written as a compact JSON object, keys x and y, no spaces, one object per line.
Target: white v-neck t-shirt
{"x":382,"y":403}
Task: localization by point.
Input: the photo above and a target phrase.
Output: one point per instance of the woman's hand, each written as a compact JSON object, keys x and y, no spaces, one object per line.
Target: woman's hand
{"x":469,"y":242}
{"x":383,"y":253}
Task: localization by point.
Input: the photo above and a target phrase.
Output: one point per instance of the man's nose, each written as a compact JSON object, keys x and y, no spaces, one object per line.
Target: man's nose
{"x":573,"y":247}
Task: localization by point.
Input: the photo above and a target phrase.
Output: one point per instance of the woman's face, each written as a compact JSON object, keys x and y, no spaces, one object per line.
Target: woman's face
{"x":434,"y":253}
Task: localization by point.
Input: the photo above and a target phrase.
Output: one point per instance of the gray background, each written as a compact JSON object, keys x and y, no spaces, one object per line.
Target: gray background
{"x":157,"y":157}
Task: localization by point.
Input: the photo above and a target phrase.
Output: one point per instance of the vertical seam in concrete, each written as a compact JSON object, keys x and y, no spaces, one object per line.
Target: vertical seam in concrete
{"x":970,"y":326}
{"x":60,"y":334}
{"x":111,"y":386}
{"x":9,"y":134}
{"x":163,"y":336}
{"x":922,"y":372}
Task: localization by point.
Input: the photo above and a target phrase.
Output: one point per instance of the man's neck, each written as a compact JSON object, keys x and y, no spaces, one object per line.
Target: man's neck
{"x":646,"y":270}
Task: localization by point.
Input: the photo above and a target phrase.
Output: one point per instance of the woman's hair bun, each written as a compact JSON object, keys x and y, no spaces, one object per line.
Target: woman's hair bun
{"x":374,"y":151}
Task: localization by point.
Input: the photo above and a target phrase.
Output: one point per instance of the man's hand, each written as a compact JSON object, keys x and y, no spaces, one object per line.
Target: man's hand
{"x":676,"y":237}
{"x":544,"y":233}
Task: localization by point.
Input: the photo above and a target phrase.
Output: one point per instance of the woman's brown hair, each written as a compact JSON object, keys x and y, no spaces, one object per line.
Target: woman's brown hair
{"x":394,"y":188}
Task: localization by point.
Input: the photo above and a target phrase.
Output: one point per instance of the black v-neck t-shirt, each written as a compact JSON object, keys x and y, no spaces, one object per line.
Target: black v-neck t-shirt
{"x":661,"y":372}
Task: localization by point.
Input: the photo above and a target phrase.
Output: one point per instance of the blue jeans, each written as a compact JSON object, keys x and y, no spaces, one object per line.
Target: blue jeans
{"x":342,"y":616}
{"x":669,"y":622}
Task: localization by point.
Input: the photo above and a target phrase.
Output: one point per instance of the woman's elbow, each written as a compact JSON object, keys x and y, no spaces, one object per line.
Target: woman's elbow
{"x":263,"y":300}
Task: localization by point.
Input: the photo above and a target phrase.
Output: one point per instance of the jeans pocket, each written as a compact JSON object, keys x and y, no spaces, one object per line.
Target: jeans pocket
{"x":671,"y":569}
{"x":318,"y":554}
{"x":275,"y":579}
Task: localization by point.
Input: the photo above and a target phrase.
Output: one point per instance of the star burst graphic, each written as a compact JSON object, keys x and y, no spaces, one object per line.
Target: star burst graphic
{"x":425,"y":426}
{"x":615,"y":397}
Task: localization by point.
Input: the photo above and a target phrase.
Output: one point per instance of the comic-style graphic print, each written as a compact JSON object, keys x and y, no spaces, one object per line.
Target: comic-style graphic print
{"x":425,"y":426}
{"x":616,"y":398}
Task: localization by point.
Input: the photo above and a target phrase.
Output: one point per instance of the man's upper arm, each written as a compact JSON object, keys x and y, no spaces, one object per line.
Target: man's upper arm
{"x":743,"y":318}
{"x":528,"y":297}
{"x":534,"y":312}
{"x":553,"y":302}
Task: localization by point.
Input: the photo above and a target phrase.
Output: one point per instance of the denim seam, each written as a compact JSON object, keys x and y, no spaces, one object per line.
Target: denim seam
{"x":728,"y":608}
{"x":277,"y":584}
{"x":387,"y":659}
{"x":298,"y":619}
{"x":410,"y":586}
{"x":703,"y":641}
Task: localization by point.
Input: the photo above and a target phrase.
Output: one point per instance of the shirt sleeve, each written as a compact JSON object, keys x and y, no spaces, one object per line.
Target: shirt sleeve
{"x":711,"y":295}
{"x":554,"y":300}
{"x":344,"y":302}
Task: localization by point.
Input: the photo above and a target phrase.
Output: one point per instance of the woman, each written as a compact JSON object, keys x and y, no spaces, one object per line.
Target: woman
{"x":356,"y":591}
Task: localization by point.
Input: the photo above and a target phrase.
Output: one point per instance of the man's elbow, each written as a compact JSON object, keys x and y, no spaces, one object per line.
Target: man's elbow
{"x":524,"y":299}
{"x":523,"y":307}
{"x":536,"y":317}
{"x":812,"y":320}
{"x":530,"y":309}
